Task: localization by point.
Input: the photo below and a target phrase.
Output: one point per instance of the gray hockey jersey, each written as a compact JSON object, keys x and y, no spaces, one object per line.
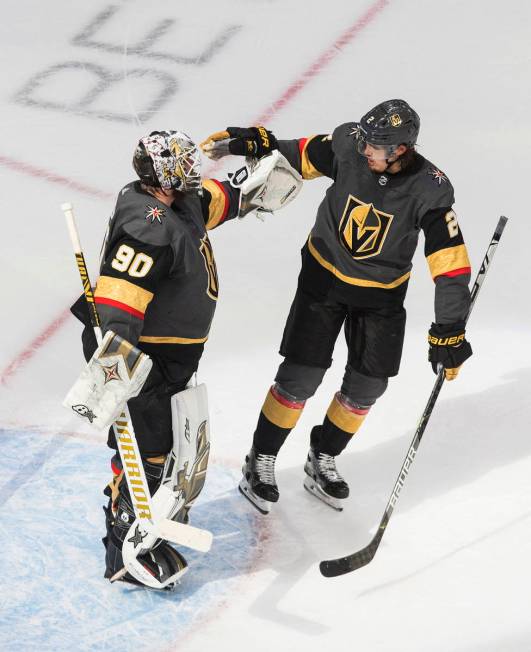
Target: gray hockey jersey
{"x":367,"y":227}
{"x":158,"y":283}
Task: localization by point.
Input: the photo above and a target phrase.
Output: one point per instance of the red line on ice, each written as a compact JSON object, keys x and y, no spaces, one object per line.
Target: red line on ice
{"x":33,"y":347}
{"x":287,"y":96}
{"x":40,"y":173}
{"x":322,"y":61}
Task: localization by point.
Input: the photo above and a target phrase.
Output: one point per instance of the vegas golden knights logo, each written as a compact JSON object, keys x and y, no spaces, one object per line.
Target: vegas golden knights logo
{"x":210,"y":264}
{"x":363,"y":228}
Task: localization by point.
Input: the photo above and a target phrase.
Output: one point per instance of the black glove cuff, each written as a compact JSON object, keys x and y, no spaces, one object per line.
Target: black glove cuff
{"x":447,"y":329}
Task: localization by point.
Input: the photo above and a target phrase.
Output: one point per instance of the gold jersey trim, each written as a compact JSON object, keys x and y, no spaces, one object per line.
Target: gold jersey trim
{"x":351,"y":280}
{"x":118,"y":289}
{"x":308,"y":169}
{"x":217,"y":206}
{"x":447,"y":260}
{"x":171,"y":340}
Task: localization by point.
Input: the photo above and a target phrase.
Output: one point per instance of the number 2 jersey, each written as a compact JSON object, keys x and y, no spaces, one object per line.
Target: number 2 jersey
{"x":362,"y":243}
{"x":158,"y":284}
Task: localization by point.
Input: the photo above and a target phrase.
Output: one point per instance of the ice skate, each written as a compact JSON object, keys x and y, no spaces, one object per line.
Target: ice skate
{"x":258,"y":484}
{"x":323,"y":479}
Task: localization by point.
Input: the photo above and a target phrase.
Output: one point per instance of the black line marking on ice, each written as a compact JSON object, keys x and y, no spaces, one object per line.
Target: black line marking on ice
{"x":85,"y":38}
{"x":104,"y":79}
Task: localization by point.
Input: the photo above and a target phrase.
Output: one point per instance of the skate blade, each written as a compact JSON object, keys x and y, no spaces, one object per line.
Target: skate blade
{"x":263,"y":506}
{"x":312,"y":487}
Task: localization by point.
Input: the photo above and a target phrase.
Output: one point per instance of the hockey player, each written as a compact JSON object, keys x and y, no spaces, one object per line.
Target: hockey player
{"x":157,"y":289}
{"x":355,"y":271}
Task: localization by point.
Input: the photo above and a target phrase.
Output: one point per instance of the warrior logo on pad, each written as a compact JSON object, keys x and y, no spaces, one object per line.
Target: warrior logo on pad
{"x":363,"y":228}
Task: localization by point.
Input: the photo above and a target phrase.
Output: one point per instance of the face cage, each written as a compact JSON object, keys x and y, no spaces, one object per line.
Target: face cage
{"x":189,"y":164}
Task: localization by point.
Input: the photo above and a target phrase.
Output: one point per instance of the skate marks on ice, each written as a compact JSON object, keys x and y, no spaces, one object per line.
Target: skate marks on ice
{"x":34,"y":459}
{"x":502,"y":529}
{"x":53,"y":595}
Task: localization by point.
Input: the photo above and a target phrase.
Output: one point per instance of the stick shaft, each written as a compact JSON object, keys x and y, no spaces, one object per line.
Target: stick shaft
{"x":68,"y":211}
{"x":358,"y":559}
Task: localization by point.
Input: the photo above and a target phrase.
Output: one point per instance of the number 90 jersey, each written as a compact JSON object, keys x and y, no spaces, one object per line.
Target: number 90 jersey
{"x":158,"y":283}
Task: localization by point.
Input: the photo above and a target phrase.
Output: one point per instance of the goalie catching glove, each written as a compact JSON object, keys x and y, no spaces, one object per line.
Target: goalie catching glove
{"x":266,"y":185}
{"x":448,"y":347}
{"x":251,"y":141}
{"x":115,"y":373}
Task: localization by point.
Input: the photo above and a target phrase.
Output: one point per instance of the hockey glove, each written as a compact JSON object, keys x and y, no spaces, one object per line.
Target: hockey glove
{"x":252,"y":141}
{"x":448,"y":347}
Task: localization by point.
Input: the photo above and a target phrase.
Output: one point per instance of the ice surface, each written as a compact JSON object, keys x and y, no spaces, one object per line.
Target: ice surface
{"x":82,"y":82}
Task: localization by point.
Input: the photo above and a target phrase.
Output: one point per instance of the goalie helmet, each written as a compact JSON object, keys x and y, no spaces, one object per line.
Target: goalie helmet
{"x":389,"y":124}
{"x":168,"y":160}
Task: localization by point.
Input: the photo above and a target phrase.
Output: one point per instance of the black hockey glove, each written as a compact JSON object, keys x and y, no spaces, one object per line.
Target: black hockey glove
{"x":448,"y":347}
{"x":249,"y":141}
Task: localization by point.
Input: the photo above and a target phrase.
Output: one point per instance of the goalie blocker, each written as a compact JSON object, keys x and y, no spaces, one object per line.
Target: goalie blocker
{"x":115,"y":373}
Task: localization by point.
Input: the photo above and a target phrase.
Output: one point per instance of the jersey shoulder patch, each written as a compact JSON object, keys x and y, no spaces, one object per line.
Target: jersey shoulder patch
{"x":145,"y":218}
{"x":434,"y":186}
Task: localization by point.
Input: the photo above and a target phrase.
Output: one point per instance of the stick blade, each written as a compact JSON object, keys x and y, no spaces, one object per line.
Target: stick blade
{"x":343,"y":565}
{"x":184,"y":535}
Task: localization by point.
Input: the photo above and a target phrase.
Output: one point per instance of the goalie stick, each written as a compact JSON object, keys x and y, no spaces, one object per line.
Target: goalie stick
{"x":179,"y":533}
{"x":342,"y":565}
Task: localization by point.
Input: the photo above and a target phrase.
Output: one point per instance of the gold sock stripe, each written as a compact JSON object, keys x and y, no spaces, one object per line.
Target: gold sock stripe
{"x":280,"y":412}
{"x":344,"y":418}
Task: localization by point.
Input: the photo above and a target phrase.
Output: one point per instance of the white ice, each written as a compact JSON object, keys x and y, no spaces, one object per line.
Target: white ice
{"x":453,"y":571}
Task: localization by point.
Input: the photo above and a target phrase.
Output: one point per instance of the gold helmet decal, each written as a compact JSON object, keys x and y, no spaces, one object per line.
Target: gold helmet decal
{"x":395,"y":120}
{"x":363,"y":228}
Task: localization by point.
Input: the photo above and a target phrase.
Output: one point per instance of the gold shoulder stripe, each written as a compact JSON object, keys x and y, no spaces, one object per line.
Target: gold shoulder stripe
{"x":171,"y":340}
{"x":123,"y":291}
{"x":447,"y":260}
{"x":308,"y":169}
{"x":217,"y":209}
{"x":351,"y":280}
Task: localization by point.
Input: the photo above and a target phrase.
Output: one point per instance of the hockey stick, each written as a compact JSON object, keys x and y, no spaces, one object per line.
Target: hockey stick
{"x":134,"y":473}
{"x":334,"y":567}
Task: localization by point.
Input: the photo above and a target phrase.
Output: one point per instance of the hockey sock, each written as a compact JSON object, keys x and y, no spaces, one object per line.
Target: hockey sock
{"x":342,"y":420}
{"x":279,"y":415}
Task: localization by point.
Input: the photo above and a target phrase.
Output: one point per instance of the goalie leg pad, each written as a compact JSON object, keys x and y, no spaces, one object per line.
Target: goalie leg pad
{"x":133,"y":554}
{"x":186,"y":465}
{"x":162,"y":563}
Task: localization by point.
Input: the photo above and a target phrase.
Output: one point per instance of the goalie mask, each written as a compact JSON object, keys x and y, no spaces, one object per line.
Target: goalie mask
{"x":168,"y":160}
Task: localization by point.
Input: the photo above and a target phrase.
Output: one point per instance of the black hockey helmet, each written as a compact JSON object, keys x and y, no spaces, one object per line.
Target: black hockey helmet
{"x":168,"y":160}
{"x":389,"y":124}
